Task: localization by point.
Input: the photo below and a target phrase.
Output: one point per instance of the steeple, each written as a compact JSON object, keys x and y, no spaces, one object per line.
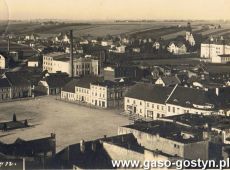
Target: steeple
{"x":189,"y":28}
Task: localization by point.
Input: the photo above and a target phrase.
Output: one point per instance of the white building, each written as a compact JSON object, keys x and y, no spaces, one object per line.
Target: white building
{"x":189,"y":37}
{"x":177,"y":48}
{"x":2,"y":62}
{"x":155,"y":101}
{"x":222,"y":59}
{"x":55,"y":62}
{"x":213,"y":48}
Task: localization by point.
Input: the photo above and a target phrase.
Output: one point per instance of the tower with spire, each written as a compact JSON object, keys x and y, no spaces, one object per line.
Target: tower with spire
{"x":189,"y":36}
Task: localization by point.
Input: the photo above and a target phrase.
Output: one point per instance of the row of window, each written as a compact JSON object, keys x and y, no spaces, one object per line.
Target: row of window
{"x":158,"y":107}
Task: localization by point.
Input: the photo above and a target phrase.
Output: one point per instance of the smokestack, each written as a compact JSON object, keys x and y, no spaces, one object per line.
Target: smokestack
{"x":71,"y":53}
{"x":8,"y":47}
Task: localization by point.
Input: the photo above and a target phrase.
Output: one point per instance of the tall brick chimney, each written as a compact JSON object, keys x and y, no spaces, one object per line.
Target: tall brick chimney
{"x":8,"y":45}
{"x":71,"y":53}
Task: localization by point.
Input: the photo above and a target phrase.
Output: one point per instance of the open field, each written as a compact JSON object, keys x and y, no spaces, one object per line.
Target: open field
{"x":98,"y":28}
{"x":70,"y":122}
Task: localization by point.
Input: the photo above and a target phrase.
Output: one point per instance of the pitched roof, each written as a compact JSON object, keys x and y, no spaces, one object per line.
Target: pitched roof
{"x":57,"y":80}
{"x":4,"y":83}
{"x":170,"y":80}
{"x":17,"y":78}
{"x":85,"y":81}
{"x":149,"y":92}
{"x":70,"y":86}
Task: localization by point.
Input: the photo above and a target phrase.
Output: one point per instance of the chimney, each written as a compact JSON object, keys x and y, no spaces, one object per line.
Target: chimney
{"x":217,"y":91}
{"x":71,"y":53}
{"x":8,"y":47}
{"x":82,"y":146}
{"x":94,"y":146}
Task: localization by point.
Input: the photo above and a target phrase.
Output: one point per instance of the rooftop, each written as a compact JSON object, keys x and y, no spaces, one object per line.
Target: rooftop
{"x":168,"y":130}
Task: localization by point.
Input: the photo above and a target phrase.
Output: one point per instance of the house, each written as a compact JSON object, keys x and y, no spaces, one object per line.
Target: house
{"x":2,"y":62}
{"x":5,"y":90}
{"x":169,"y":138}
{"x":68,"y":91}
{"x":177,"y":48}
{"x":156,"y":45}
{"x":153,"y":101}
{"x":20,"y":85}
{"x":168,"y":81}
{"x":52,"y":84}
{"x":105,"y":43}
{"x":56,"y":62}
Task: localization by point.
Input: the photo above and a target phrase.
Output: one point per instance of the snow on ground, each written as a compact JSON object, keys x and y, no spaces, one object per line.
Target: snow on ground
{"x":70,"y":122}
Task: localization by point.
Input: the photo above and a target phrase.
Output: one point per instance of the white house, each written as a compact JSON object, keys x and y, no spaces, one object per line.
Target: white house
{"x":2,"y":62}
{"x":177,"y":48}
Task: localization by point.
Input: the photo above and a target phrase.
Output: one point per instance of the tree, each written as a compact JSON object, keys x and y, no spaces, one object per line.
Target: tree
{"x":14,"y":117}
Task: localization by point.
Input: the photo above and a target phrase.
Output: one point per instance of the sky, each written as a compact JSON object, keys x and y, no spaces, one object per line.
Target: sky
{"x":115,"y":9}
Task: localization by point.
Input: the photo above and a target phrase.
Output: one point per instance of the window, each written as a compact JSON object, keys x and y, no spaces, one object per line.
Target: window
{"x":174,"y":110}
{"x":147,"y":104}
{"x":153,"y":106}
{"x":168,"y":108}
{"x":127,"y":100}
{"x":157,"y":107}
{"x":140,"y":103}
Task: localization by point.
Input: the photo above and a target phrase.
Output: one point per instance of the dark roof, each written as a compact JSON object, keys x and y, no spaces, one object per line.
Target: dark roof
{"x":224,"y":55}
{"x":88,"y":159}
{"x":170,"y":80}
{"x":196,"y":120}
{"x":149,"y":92}
{"x":18,"y":78}
{"x":85,"y":81}
{"x":4,"y":83}
{"x":70,"y":86}
{"x":111,"y":84}
{"x":186,"y":97}
{"x":168,"y":130}
{"x":57,"y":80}
{"x":28,"y":148}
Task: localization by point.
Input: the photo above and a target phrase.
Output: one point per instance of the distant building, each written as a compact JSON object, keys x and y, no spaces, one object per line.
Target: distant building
{"x":212,"y":48}
{"x":177,"y":48}
{"x":189,"y":36}
{"x":221,"y":59}
{"x":55,"y":62}
{"x":2,"y":62}
{"x":33,"y":62}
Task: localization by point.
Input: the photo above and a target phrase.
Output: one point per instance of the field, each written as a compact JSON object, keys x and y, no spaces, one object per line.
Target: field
{"x":70,"y":122}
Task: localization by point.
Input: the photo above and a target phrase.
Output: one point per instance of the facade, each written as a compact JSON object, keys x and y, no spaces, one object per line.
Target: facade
{"x":214,"y":47}
{"x":56,"y":62}
{"x":2,"y":62}
{"x":155,"y":101}
{"x":221,"y":59}
{"x":177,"y":48}
{"x":189,"y":38}
{"x":91,"y":91}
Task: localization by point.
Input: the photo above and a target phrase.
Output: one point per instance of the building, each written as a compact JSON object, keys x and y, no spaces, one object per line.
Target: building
{"x":33,"y":62}
{"x":5,"y":90}
{"x":96,"y":92}
{"x":37,"y":153}
{"x":177,"y":48}
{"x":221,"y":59}
{"x":170,"y":138}
{"x":213,"y":48}
{"x":189,"y":36}
{"x":20,"y":85}
{"x":56,"y":62}
{"x":168,"y":81}
{"x":116,"y":73}
{"x":151,"y":101}
{"x":2,"y":62}
{"x":52,"y":84}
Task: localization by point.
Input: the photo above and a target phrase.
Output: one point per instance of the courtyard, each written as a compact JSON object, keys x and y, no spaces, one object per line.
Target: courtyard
{"x":70,"y":122}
